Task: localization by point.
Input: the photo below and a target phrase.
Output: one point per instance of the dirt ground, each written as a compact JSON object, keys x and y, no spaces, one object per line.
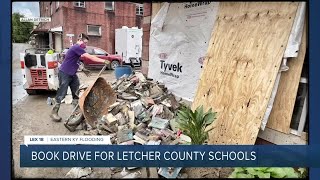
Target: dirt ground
{"x":30,"y":116}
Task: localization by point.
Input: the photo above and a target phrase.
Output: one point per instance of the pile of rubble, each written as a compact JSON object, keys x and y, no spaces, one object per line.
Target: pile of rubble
{"x":143,"y":114}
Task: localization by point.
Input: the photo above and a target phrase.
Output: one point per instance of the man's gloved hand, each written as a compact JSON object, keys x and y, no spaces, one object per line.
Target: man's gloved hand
{"x":86,"y":72}
{"x":106,"y":62}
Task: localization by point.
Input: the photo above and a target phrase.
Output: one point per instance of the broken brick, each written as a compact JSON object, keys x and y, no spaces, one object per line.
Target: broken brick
{"x":131,"y":142}
{"x":137,"y":107}
{"x":121,"y":118}
{"x":158,"y":132}
{"x":159,"y":123}
{"x":168,"y":132}
{"x":154,"y":137}
{"x":111,"y":120}
{"x":169,"y":172}
{"x":140,"y":76}
{"x":155,"y":91}
{"x":104,"y":127}
{"x":167,"y":140}
{"x":139,"y":140}
{"x":134,"y":80}
{"x":124,"y":135}
{"x":142,"y":136}
{"x":141,"y":126}
{"x":174,"y":103}
{"x":131,"y":119}
{"x":153,"y":173}
{"x":114,"y":105}
{"x":102,"y":132}
{"x":147,"y":101}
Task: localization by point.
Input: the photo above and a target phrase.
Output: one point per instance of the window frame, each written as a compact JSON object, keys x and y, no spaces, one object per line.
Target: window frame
{"x":78,"y":4}
{"x":139,"y":12}
{"x":100,"y":31}
{"x":105,"y":4}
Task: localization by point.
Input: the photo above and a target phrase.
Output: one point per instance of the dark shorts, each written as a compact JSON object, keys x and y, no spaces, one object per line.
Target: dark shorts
{"x":66,"y":80}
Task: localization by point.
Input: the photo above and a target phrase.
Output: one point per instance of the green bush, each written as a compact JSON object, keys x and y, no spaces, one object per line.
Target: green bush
{"x":268,"y":172}
{"x":20,"y":30}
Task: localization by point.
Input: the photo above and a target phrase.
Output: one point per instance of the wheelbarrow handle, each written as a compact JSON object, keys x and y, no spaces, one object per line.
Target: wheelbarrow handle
{"x":103,"y":69}
{"x":73,"y":111}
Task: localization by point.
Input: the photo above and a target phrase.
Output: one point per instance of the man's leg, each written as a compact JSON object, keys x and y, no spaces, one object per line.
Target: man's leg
{"x":77,"y":119}
{"x":64,"y":80}
{"x":74,"y":86}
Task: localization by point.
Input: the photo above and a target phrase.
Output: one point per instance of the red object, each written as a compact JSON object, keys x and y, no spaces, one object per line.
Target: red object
{"x":148,"y":101}
{"x":52,"y":64}
{"x":179,"y":132}
{"x":22,"y":64}
{"x":100,"y":53}
{"x":39,"y":79}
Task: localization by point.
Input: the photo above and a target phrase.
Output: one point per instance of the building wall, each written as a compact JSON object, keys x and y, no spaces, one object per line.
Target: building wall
{"x":147,"y":12}
{"x":75,"y":20}
{"x":56,"y":17}
{"x":150,"y":11}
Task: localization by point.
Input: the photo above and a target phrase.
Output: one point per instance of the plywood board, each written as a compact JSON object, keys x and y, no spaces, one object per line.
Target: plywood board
{"x":283,"y":106}
{"x":243,"y":59}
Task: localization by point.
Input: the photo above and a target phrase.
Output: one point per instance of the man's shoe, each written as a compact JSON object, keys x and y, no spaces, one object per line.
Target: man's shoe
{"x":54,"y":113}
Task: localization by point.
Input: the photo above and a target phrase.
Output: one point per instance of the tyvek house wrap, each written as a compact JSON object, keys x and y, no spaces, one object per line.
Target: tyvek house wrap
{"x":179,"y":39}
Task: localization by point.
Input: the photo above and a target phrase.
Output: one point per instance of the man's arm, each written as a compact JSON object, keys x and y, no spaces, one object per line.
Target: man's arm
{"x":94,"y":58}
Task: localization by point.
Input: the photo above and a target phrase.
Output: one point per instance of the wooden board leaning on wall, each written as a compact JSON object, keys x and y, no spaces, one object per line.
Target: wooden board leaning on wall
{"x":281,"y":114}
{"x":243,"y":59}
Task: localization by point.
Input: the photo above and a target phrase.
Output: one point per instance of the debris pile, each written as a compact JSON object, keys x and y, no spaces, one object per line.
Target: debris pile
{"x":78,"y":172}
{"x":143,"y":114}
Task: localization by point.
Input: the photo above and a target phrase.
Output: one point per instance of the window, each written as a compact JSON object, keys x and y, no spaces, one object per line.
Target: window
{"x":89,"y":50}
{"x":100,"y":52}
{"x":80,"y":4}
{"x":139,"y":9}
{"x":94,"y":30}
{"x":57,"y":4}
{"x":109,"y":5}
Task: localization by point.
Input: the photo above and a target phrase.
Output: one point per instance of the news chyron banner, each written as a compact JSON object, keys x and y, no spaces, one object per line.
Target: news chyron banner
{"x":97,"y":151}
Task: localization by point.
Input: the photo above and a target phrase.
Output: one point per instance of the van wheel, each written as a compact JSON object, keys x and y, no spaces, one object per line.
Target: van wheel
{"x":114,"y":64}
{"x":31,"y":91}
